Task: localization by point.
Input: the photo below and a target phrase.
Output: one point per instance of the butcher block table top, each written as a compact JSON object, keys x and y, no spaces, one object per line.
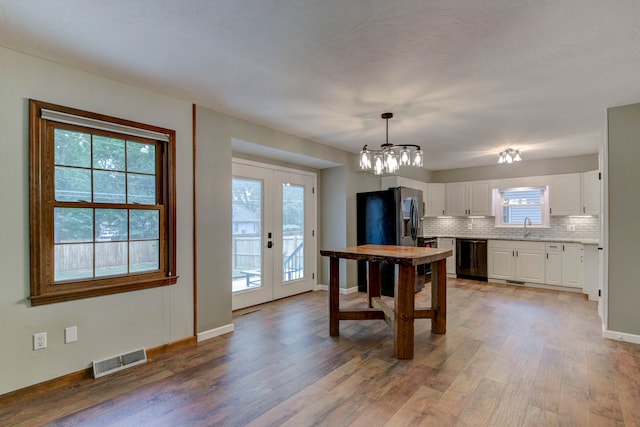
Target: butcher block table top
{"x":400,"y":317}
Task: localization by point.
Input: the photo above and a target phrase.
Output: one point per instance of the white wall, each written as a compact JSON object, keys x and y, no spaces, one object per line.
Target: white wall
{"x":107,"y":325}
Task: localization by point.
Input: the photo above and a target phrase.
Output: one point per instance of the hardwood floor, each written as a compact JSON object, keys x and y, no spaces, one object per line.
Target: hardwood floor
{"x":511,"y":357}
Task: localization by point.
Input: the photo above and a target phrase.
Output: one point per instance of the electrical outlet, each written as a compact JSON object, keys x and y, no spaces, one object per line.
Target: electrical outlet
{"x":70,"y":334}
{"x":39,"y":340}
{"x":470,"y":226}
{"x":571,"y":227}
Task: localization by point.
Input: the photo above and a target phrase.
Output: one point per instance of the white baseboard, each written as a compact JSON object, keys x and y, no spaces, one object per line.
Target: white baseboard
{"x":343,"y":291}
{"x":212,"y":333}
{"x":620,"y":336}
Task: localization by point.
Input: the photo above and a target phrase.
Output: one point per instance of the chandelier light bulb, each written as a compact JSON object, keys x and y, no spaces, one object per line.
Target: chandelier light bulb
{"x":417,"y":158}
{"x":378,"y":164}
{"x":405,"y":157}
{"x":517,"y":157}
{"x":365,"y":159}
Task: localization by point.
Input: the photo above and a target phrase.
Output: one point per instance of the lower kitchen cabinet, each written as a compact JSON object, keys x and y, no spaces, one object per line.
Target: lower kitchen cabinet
{"x":572,"y":265}
{"x":553,"y":267}
{"x":449,"y":243}
{"x":516,"y":260}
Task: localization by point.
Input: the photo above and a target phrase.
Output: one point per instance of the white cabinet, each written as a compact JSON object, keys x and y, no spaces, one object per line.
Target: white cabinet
{"x":456,"y":199}
{"x":468,"y":198}
{"x":530,"y":262}
{"x":564,"y":194}
{"x":591,"y":277}
{"x":553,"y":267}
{"x":590,"y":193}
{"x":574,"y":194}
{"x":449,"y":243}
{"x":516,"y":260}
{"x":572,"y":265}
{"x":434,"y":200}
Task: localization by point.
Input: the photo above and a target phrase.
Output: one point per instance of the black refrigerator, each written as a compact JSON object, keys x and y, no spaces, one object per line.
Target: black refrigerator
{"x":388,"y":217}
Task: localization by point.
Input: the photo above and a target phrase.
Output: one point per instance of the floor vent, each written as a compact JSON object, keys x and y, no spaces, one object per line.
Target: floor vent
{"x":118,"y":363}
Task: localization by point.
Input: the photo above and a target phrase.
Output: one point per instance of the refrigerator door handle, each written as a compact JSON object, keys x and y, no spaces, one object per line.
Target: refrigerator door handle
{"x":414,"y":220}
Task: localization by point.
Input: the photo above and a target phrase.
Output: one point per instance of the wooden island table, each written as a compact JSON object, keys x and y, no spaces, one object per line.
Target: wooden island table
{"x":401,"y":317}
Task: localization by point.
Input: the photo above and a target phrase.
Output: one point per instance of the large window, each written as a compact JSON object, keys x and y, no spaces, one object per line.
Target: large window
{"x":102,"y":204}
{"x":517,"y":205}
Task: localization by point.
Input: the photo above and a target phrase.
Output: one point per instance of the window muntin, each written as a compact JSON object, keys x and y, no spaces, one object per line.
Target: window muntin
{"x":514,"y":205}
{"x":102,"y":205}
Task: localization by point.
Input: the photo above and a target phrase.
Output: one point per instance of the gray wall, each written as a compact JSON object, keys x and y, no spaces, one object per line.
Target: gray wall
{"x":333,"y":198}
{"x":107,"y":325}
{"x":563,"y":165}
{"x":213,"y":201}
{"x":623,"y":215}
{"x":217,"y":139}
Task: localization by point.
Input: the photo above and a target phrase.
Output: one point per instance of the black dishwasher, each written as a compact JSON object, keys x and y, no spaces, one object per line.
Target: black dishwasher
{"x":471,"y":259}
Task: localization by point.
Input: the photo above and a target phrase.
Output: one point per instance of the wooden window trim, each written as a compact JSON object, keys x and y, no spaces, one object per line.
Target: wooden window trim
{"x":41,"y":198}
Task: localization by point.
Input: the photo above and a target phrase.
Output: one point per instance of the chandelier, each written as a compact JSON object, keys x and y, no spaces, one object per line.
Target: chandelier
{"x":509,"y":156}
{"x":390,"y":157}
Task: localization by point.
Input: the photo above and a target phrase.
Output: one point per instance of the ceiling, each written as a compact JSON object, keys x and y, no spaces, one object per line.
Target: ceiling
{"x":464,"y":79}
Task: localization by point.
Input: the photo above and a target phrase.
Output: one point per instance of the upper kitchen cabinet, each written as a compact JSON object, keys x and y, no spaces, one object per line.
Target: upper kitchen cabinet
{"x":434,"y":200}
{"x":468,"y":198}
{"x":590,"y":193}
{"x":564,"y":194}
{"x":575,"y":194}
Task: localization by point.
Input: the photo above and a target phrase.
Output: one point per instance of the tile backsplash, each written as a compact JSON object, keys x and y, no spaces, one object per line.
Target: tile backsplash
{"x":586,"y":228}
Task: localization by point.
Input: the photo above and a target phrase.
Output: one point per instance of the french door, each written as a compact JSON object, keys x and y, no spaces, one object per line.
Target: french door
{"x":273,"y":233}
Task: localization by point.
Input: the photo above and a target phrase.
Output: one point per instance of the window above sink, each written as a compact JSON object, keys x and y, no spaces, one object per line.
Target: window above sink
{"x":514,"y":206}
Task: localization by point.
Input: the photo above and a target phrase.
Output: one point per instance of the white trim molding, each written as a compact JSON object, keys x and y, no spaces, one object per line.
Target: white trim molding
{"x":620,"y":336}
{"x":212,"y":333}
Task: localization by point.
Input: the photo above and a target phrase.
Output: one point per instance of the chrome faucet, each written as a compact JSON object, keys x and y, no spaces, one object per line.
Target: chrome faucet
{"x":526,"y":233}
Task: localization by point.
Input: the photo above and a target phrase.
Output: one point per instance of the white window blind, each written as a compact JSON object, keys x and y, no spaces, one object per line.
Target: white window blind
{"x":72,"y":119}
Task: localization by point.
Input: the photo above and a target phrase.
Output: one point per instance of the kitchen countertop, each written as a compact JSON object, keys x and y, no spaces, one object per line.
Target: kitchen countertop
{"x":535,"y":239}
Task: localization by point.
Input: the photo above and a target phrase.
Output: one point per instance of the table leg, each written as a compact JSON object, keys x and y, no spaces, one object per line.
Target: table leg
{"x":404,"y":312}
{"x":439,"y":296}
{"x":374,"y":285}
{"x":334,"y":296}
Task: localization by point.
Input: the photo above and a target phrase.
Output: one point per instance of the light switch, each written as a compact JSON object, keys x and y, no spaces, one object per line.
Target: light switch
{"x":70,"y":334}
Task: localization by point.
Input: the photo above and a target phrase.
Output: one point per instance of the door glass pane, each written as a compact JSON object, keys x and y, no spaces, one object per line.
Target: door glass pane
{"x":292,"y":232}
{"x":246,"y":233}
